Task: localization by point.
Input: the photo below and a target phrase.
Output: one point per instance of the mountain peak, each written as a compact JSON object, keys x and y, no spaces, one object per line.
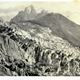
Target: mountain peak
{"x":28,"y":14}
{"x":29,"y":8}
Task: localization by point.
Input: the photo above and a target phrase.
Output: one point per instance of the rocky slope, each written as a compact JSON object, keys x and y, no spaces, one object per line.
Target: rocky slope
{"x":22,"y":54}
{"x":61,"y":27}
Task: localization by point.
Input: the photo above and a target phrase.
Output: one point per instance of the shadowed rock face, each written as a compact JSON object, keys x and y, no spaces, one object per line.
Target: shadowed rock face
{"x":23,"y":56}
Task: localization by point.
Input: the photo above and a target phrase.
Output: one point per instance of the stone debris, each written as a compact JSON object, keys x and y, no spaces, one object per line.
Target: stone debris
{"x":23,"y":56}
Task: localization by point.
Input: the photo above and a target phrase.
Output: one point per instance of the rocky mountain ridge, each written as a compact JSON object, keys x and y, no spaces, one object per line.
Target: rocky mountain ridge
{"x":28,"y":14}
{"x":58,"y":24}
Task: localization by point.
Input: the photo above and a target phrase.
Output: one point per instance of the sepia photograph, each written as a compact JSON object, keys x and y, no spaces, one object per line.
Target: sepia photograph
{"x":40,"y":38}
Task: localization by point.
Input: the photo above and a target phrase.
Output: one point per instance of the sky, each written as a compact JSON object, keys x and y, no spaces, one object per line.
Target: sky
{"x":69,"y":9}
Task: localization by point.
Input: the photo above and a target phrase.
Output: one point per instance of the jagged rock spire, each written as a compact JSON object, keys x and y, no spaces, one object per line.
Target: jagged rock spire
{"x":28,"y":14}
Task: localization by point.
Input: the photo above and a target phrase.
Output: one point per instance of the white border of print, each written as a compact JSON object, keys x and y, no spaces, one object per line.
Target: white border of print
{"x":35,"y":0}
{"x":39,"y":78}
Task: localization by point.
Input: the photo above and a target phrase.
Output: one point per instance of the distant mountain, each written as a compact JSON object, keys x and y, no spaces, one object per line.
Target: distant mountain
{"x":57,"y":23}
{"x":61,"y":27}
{"x":28,"y":14}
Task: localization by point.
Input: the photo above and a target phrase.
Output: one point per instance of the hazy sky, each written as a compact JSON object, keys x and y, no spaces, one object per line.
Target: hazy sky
{"x":68,"y":9}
